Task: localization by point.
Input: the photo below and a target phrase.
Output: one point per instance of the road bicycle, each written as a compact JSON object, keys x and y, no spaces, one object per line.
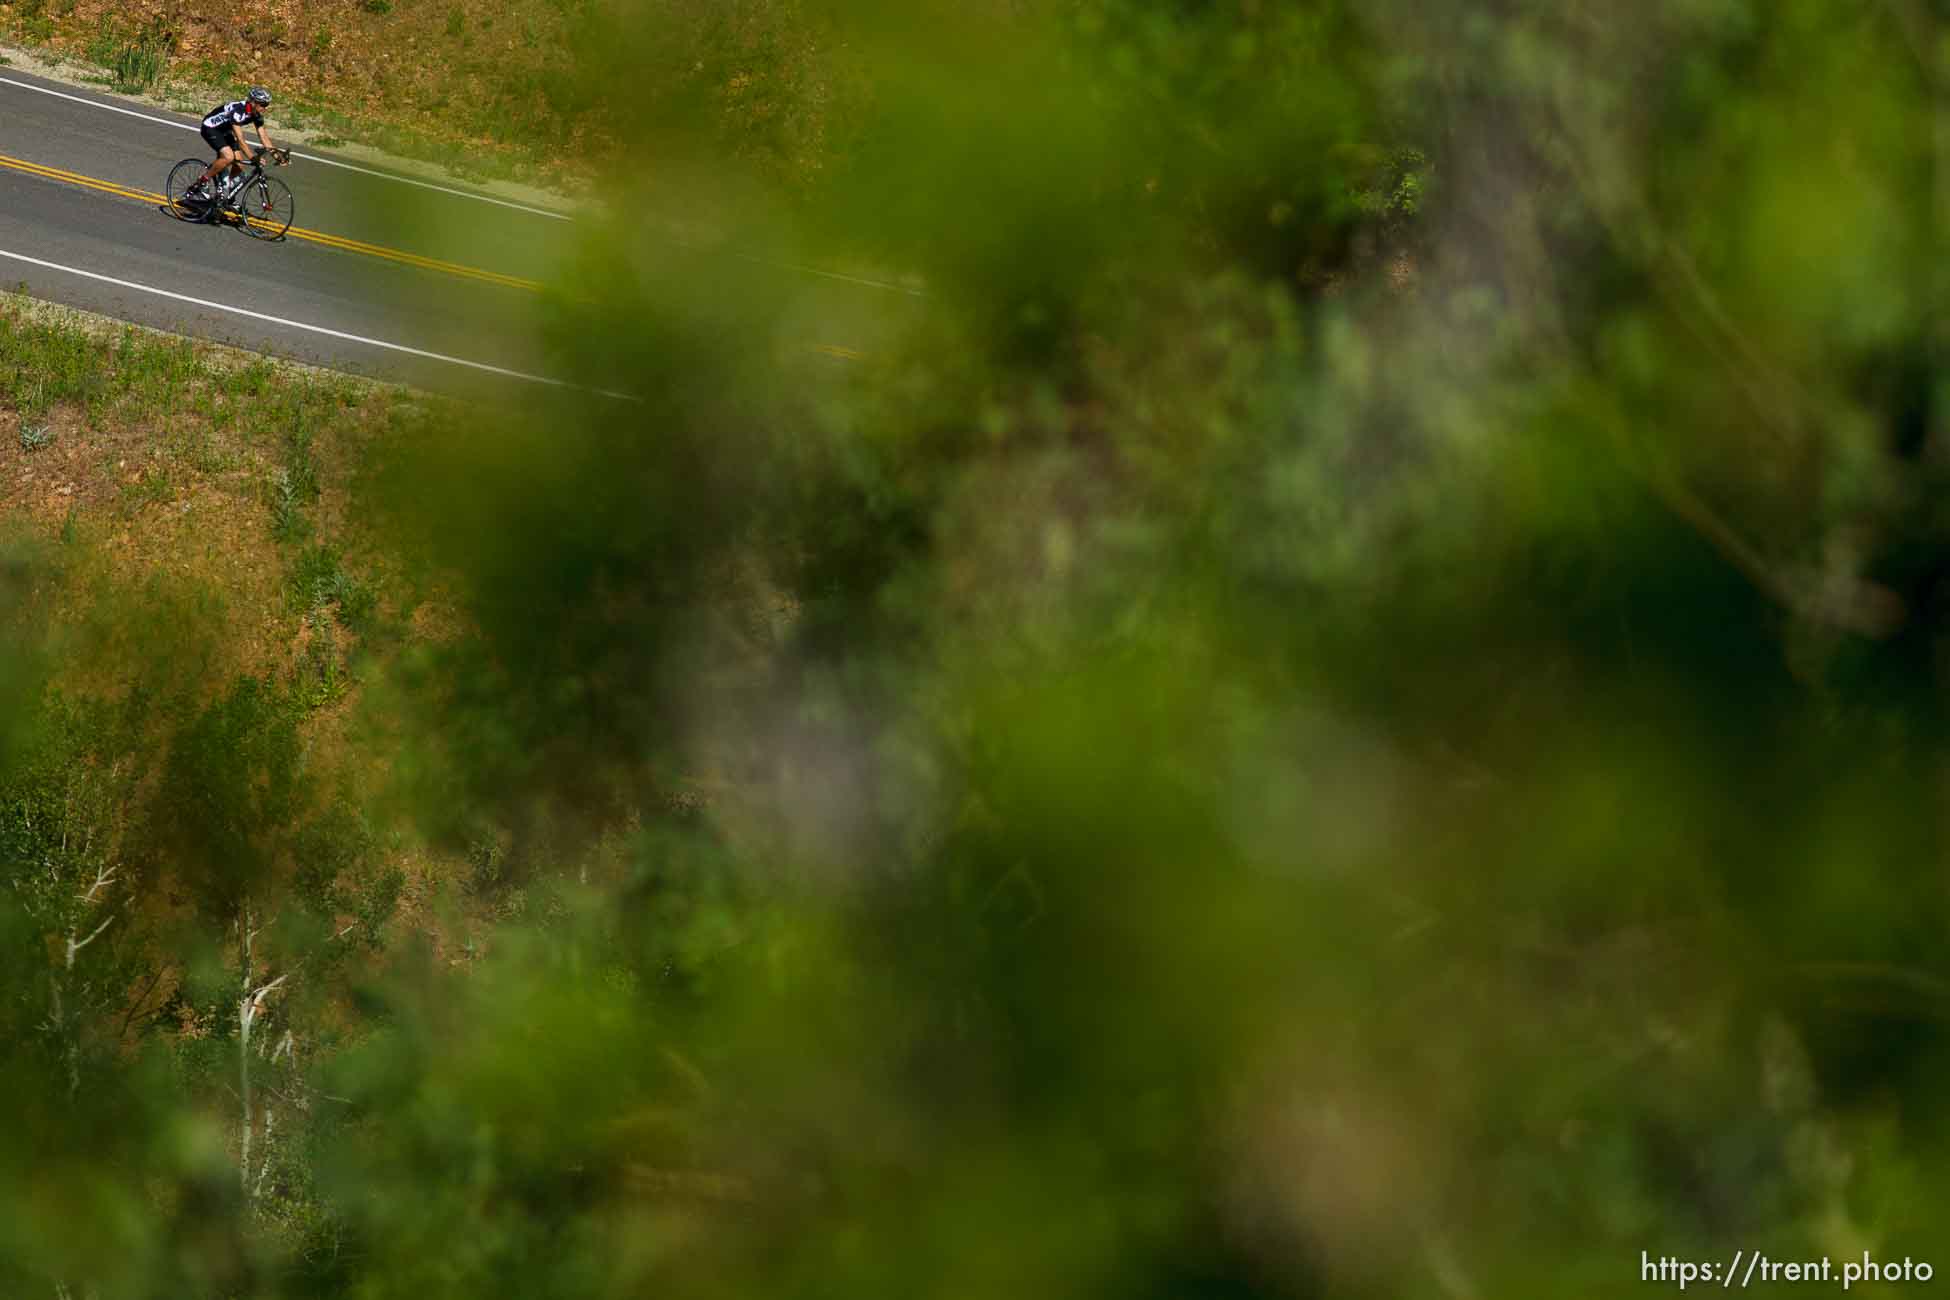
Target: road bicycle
{"x":261,"y":204}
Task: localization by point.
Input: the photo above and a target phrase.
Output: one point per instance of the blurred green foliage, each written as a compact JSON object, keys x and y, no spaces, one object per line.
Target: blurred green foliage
{"x":1352,"y":706}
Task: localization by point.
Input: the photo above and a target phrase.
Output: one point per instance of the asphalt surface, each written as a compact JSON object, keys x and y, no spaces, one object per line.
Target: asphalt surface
{"x":372,"y":312}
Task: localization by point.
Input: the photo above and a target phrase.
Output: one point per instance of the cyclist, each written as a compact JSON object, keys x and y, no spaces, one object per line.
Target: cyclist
{"x":223,"y":131}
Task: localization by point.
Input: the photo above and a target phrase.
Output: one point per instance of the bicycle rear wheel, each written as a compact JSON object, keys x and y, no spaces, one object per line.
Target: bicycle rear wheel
{"x":183,"y":175}
{"x":266,"y":205}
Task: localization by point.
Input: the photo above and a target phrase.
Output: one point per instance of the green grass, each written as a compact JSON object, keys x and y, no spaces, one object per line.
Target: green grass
{"x":318,"y":582}
{"x":185,"y":413}
{"x":152,"y":425}
{"x":44,"y":363}
{"x":508,"y":102}
{"x":320,"y":677}
{"x":294,"y":487}
{"x":329,"y":127}
{"x":154,"y":487}
{"x":137,"y":66}
{"x":289,"y":523}
{"x":134,"y":60}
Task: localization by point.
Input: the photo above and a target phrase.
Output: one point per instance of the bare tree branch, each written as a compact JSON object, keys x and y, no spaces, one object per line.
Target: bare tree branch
{"x":104,"y":876}
{"x":128,"y":1017}
{"x":74,"y":947}
{"x":256,"y":1000}
{"x":249,"y":1007}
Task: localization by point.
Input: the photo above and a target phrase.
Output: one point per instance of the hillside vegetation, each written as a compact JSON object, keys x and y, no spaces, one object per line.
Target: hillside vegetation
{"x":1357,"y":709}
{"x":542,"y":90}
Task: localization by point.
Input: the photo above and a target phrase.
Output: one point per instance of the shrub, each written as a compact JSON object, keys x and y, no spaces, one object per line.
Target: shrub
{"x":138,"y":66}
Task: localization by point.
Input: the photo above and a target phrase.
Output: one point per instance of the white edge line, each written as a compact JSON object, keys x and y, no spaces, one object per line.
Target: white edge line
{"x":831,"y":275}
{"x":315,"y":329}
{"x":312,"y":157}
{"x":428,"y":185}
{"x":96,"y":103}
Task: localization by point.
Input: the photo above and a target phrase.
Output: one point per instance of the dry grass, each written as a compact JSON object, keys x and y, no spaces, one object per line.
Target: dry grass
{"x":463,"y":81}
{"x":147,"y":477}
{"x":492,"y":89}
{"x":147,"y":461}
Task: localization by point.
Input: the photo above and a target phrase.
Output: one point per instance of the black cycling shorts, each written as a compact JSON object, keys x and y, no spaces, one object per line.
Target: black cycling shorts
{"x":219,"y":140}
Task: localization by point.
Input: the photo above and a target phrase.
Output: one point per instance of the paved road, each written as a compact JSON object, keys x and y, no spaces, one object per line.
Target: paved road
{"x":375,"y":313}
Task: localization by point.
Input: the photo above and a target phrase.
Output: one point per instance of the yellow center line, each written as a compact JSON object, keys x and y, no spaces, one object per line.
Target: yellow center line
{"x":332,"y":241}
{"x":56,"y":174}
{"x":411,"y":259}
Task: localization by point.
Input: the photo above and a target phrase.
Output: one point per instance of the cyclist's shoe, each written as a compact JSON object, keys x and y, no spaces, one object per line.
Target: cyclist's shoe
{"x":200,"y":190}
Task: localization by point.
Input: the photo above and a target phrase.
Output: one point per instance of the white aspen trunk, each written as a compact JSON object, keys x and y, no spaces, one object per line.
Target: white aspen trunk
{"x":244,"y":1071}
{"x":245,"y":1015}
{"x":249,"y":1007}
{"x":70,"y":1040}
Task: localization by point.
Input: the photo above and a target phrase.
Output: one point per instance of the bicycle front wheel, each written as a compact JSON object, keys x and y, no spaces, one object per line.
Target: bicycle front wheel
{"x":183,"y":175}
{"x":266,"y":205}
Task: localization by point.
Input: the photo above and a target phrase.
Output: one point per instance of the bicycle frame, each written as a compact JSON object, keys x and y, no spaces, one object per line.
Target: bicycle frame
{"x":268,"y":218}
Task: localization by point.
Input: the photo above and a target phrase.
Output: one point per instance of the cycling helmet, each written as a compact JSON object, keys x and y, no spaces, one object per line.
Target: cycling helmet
{"x":260,"y":96}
